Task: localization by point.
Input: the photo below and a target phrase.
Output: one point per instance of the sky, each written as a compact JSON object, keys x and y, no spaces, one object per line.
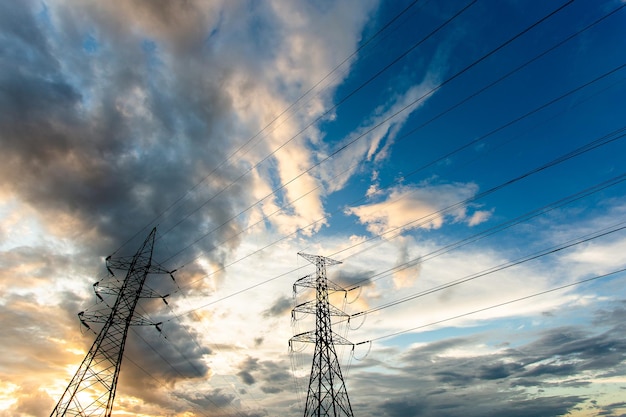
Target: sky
{"x":463,"y":160}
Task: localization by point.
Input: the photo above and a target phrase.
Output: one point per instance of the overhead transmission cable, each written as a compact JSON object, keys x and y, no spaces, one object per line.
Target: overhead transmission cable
{"x":321,"y":219}
{"x":405,"y":108}
{"x":503,"y":77}
{"x":602,"y":141}
{"x":491,"y":307}
{"x":606,"y":139}
{"x":493,"y":230}
{"x":533,"y":256}
{"x":282,"y":186}
{"x":274,"y":278}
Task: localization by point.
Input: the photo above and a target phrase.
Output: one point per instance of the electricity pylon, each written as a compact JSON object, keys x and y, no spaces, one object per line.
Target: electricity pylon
{"x":327,"y":394}
{"x":92,"y":389}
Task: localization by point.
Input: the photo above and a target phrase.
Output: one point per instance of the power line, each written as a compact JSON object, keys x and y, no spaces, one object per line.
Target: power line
{"x":561,"y":287}
{"x":571,"y":243}
{"x":583,"y":149}
{"x":471,"y":239}
{"x":495,"y":229}
{"x":602,"y":141}
{"x":415,"y":171}
{"x":498,"y":80}
{"x":405,"y":108}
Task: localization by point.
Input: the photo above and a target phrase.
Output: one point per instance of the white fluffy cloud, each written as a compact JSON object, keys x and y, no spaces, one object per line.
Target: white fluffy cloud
{"x":424,"y":206}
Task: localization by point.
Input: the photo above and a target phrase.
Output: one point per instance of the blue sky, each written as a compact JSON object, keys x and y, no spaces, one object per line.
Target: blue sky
{"x":462,"y":159}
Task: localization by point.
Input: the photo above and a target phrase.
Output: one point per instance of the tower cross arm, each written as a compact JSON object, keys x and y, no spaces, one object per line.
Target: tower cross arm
{"x":314,"y":259}
{"x":311,"y":308}
{"x":124,"y":263}
{"x":101,"y":316}
{"x":309,"y":337}
{"x":310,"y":281}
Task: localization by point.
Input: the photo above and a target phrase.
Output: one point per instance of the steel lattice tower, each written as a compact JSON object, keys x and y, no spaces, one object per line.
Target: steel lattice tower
{"x":327,"y":394}
{"x":92,"y":389}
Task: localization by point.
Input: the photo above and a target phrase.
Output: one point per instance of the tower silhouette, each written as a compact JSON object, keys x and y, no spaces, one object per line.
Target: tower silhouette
{"x":327,"y":394}
{"x":92,"y":389}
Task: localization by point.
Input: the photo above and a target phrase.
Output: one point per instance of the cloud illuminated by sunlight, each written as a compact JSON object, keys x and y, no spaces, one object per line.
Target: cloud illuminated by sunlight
{"x":412,"y":207}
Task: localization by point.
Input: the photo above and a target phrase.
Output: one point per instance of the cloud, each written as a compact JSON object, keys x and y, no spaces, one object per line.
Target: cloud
{"x":32,"y":401}
{"x":423,"y":206}
{"x":372,"y":142}
{"x":282,"y":306}
{"x":409,"y":266}
{"x":479,"y":216}
{"x":100,"y":165}
{"x":245,"y":373}
{"x":111,"y":112}
{"x":443,"y":374}
{"x":347,"y":278}
{"x":271,"y":375}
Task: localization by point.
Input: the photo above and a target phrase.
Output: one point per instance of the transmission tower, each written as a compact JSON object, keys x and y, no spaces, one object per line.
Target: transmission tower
{"x":92,"y":389}
{"x":327,"y":394}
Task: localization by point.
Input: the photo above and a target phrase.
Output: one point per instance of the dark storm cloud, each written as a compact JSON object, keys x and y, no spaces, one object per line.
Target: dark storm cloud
{"x":273,"y":376}
{"x":97,"y":136}
{"x":247,"y":367}
{"x":349,"y":279}
{"x":172,"y":354}
{"x":424,"y":353}
{"x":596,"y":352}
{"x":246,"y":377}
{"x":281,"y":306}
{"x":481,"y":405}
{"x":495,"y":384}
{"x":550,"y":369}
{"x":216,"y":402}
{"x":612,"y":317}
{"x":609,"y":410}
{"x":498,"y":370}
{"x":102,"y":127}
